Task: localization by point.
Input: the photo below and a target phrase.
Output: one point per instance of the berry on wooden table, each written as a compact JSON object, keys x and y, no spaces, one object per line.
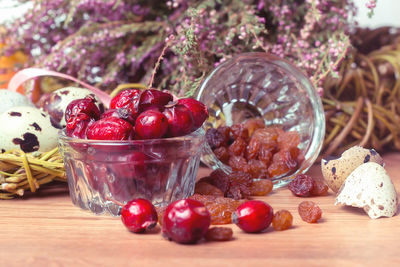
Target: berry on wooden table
{"x":139,"y":215}
{"x":186,"y":221}
{"x":253,"y":216}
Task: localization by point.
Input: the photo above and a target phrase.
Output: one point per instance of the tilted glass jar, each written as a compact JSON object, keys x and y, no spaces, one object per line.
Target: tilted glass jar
{"x":262,"y":85}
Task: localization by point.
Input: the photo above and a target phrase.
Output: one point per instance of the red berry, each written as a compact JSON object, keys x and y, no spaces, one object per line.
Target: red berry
{"x":123,"y":113}
{"x":180,"y":120}
{"x":130,"y":166}
{"x":186,"y":221}
{"x":139,"y":215}
{"x":124,"y":98}
{"x":253,"y":216}
{"x":110,"y":129}
{"x":198,"y":109}
{"x":85,"y":105}
{"x":151,"y":124}
{"x":152,"y":97}
{"x":78,"y":124}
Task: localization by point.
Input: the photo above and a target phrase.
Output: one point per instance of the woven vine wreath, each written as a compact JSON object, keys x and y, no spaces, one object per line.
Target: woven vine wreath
{"x":362,"y":107}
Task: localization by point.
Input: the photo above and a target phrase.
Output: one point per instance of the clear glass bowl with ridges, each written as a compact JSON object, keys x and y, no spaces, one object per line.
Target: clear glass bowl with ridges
{"x":262,"y":85}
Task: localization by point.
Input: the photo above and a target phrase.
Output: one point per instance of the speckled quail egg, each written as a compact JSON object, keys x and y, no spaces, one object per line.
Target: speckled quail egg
{"x":28,"y":129}
{"x":9,"y":99}
{"x":336,"y":170}
{"x":369,"y":187}
{"x":56,"y":103}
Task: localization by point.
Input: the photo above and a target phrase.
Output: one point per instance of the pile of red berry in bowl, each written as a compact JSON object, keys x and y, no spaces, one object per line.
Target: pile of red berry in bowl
{"x":146,"y":145}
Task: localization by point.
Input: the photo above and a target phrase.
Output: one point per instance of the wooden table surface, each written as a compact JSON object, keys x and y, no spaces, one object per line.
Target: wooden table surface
{"x":47,"y":230}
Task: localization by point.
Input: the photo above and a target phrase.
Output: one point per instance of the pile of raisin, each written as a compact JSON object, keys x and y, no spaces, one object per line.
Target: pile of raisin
{"x":251,"y":147}
{"x":236,"y":185}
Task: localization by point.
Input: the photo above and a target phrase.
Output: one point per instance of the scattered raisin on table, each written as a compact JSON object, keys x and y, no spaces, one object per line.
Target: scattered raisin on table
{"x":282,"y":220}
{"x":220,"y":208}
{"x":219,"y":234}
{"x":261,"y":187}
{"x":160,"y":213}
{"x":204,"y":188}
{"x":302,"y":185}
{"x":320,"y":188}
{"x":309,"y":211}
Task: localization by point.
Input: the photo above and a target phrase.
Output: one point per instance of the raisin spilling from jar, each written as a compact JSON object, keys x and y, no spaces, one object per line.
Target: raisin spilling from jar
{"x":252,"y":147}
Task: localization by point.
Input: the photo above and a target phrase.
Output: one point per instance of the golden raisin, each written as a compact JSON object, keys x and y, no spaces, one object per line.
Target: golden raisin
{"x":238,"y":147}
{"x":288,"y":139}
{"x":257,"y":169}
{"x":320,"y":188}
{"x":238,"y":163}
{"x":220,"y":208}
{"x":253,"y":124}
{"x":204,"y":188}
{"x":239,"y":131}
{"x":261,"y":187}
{"x":282,"y":220}
{"x":222,"y":154}
{"x":309,"y":211}
{"x":219,"y":234}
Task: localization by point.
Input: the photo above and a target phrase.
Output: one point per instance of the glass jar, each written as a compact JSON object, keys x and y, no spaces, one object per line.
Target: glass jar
{"x":262,"y":85}
{"x":103,"y":173}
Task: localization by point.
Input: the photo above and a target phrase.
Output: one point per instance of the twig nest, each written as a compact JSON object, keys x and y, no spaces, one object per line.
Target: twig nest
{"x":336,"y":170}
{"x":369,"y":187}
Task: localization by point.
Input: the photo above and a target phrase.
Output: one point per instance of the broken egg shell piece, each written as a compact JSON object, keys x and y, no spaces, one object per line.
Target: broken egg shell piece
{"x":369,"y":187}
{"x":336,"y":170}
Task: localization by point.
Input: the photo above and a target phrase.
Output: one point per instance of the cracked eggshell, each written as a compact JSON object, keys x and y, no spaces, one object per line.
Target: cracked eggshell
{"x":28,"y":129}
{"x":336,"y":170}
{"x":369,"y":187}
{"x":9,"y":99}
{"x":56,"y":103}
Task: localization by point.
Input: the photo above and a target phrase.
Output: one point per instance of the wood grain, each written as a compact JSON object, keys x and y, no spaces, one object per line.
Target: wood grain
{"x":47,"y":230}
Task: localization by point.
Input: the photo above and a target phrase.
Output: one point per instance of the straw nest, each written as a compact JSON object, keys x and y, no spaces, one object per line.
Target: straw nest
{"x":21,"y":172}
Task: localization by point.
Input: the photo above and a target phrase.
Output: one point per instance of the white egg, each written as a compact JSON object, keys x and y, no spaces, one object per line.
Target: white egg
{"x":28,"y":129}
{"x":9,"y":99}
{"x":369,"y":187}
{"x":57,"y":102}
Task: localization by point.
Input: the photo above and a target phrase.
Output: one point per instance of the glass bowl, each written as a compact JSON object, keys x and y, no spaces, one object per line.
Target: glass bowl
{"x":102,"y":174}
{"x":262,"y":85}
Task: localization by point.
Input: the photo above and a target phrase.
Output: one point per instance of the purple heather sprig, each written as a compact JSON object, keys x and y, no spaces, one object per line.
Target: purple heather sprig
{"x":108,"y":42}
